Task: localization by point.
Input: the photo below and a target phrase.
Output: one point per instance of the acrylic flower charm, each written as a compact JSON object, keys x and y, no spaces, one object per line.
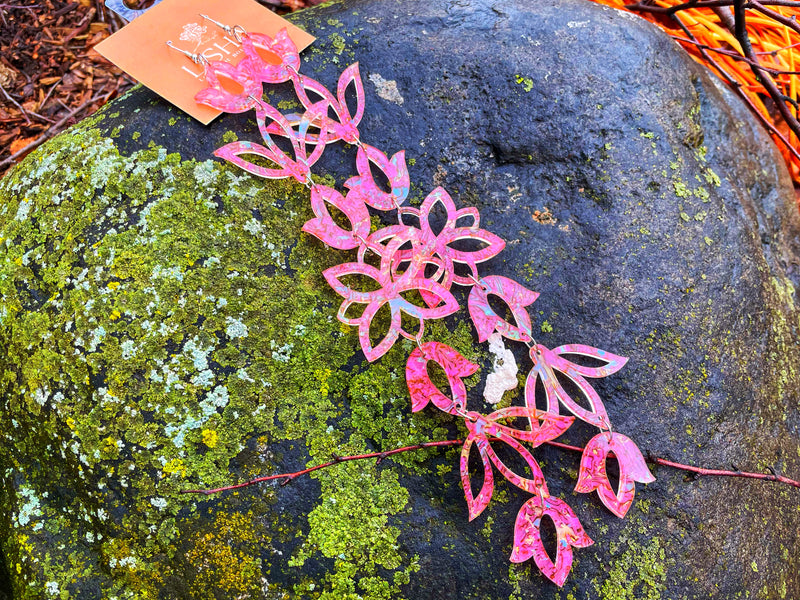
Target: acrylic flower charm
{"x":389,"y":294}
{"x":281,"y":47}
{"x":395,"y":171}
{"x":480,"y":429}
{"x":422,"y":389}
{"x":528,"y":536}
{"x":592,"y":475}
{"x":299,"y":167}
{"x":326,"y":229}
{"x":546,"y":362}
{"x":345,"y":126}
{"x":216,"y":96}
{"x":514,"y":295}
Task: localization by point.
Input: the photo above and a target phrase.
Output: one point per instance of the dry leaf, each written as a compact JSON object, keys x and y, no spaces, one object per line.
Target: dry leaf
{"x":19,"y":144}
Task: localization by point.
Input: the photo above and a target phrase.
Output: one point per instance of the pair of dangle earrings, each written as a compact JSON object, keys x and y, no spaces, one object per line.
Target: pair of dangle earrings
{"x":251,"y":72}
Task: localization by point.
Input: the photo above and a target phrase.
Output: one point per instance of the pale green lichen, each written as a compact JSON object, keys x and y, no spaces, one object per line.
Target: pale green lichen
{"x":146,"y":365}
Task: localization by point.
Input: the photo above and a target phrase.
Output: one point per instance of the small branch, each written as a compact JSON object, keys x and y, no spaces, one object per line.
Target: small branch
{"x":51,"y":132}
{"x":15,"y":103}
{"x":720,"y":473}
{"x":287,"y":477}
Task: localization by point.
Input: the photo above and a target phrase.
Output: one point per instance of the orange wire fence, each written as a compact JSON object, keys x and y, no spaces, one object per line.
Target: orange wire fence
{"x":752,"y":46}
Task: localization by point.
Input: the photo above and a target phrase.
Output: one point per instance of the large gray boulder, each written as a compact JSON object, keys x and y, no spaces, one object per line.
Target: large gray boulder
{"x":165,"y":325}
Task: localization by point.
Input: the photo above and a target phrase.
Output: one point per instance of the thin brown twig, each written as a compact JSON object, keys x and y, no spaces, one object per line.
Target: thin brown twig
{"x":52,"y":131}
{"x":287,"y":477}
{"x":737,"y":89}
{"x":15,"y":103}
{"x":733,"y":55}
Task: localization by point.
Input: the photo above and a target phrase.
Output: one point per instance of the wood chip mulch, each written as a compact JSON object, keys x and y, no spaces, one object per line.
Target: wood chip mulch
{"x":50,"y":75}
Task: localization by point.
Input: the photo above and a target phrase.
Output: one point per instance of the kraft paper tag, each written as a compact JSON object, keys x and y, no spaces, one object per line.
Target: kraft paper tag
{"x":140,"y":48}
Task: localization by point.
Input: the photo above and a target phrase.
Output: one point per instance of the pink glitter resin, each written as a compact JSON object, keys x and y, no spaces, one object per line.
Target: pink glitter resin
{"x":325,"y":228}
{"x":528,"y":537}
{"x":388,"y":294}
{"x":394,"y":169}
{"x":282,"y":47}
{"x":421,"y":388}
{"x":545,"y":362}
{"x":345,"y":127}
{"x":299,"y":168}
{"x":592,"y":475}
{"x":514,"y":295}
{"x":219,"y":98}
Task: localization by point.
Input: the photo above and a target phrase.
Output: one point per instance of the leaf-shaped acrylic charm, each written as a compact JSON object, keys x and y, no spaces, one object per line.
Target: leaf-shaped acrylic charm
{"x":545,"y":426}
{"x":592,"y":475}
{"x":545,"y":362}
{"x":390,"y":293}
{"x":344,"y":126}
{"x":536,"y":485}
{"x":476,"y":504}
{"x":514,"y":295}
{"x":325,"y":228}
{"x":299,"y":168}
{"x":282,"y":47}
{"x":613,"y":362}
{"x":219,"y":98}
{"x":395,"y":171}
{"x":422,"y":389}
{"x":528,"y":537}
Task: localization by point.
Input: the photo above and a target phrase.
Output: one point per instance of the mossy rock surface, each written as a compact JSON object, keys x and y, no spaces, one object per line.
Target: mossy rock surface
{"x":165,"y":326}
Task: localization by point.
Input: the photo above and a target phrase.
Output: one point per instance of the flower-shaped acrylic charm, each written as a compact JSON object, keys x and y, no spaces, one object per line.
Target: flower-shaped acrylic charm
{"x":420,"y":386}
{"x":395,"y":171}
{"x":528,"y":536}
{"x":216,"y":96}
{"x":514,"y":295}
{"x":632,"y":467}
{"x":281,"y":47}
{"x":546,"y":362}
{"x":345,"y":126}
{"x":480,"y":429}
{"x":389,"y":294}
{"x":325,"y":228}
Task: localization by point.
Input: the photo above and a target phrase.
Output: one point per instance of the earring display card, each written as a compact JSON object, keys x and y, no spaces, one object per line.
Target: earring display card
{"x":140,"y":48}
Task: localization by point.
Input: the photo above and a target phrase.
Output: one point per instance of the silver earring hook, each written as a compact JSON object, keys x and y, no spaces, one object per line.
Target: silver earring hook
{"x":236,"y":31}
{"x":197,"y":59}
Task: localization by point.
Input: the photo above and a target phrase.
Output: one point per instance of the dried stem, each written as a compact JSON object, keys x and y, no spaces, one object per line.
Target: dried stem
{"x":287,"y":477}
{"x":52,"y":131}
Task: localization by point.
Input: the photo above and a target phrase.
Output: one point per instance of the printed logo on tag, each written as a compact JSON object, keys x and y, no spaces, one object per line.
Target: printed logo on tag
{"x":140,"y":48}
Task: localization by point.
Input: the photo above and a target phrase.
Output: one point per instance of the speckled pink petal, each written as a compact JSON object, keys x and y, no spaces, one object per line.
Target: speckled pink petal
{"x":440,"y":196}
{"x":528,"y":537}
{"x":476,"y":504}
{"x":390,"y":294}
{"x":281,"y":47}
{"x":632,"y":467}
{"x":545,"y":426}
{"x":534,"y":485}
{"x":234,"y":151}
{"x":333,"y":275}
{"x":395,"y":171}
{"x":545,"y":362}
{"x":422,"y":389}
{"x":493,"y":245}
{"x":325,"y":228}
{"x":300,"y":166}
{"x":514,"y":295}
{"x":373,"y":353}
{"x":219,"y":98}
{"x":344,"y":126}
{"x":614,"y":362}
